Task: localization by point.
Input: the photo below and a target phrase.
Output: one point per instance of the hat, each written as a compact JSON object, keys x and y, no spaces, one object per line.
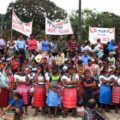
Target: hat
{"x":38,"y":58}
{"x":65,"y":67}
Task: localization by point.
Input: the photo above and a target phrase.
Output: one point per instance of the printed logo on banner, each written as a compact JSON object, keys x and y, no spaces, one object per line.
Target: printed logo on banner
{"x":105,"y":34}
{"x":18,"y":25}
{"x":58,"y":28}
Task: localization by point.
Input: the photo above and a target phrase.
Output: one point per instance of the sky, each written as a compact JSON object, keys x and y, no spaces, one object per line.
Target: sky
{"x":68,"y":5}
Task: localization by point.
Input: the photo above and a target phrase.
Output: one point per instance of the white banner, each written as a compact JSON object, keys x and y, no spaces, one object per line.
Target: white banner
{"x":58,"y":28}
{"x":18,"y":25}
{"x":105,"y":34}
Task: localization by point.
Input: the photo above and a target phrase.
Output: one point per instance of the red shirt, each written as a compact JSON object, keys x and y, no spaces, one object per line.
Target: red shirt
{"x":72,"y":44}
{"x":32,"y":44}
{"x":118,"y":46}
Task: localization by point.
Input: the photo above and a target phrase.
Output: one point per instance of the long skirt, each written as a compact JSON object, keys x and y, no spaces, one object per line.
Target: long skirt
{"x":105,"y":94}
{"x":39,"y":96}
{"x":88,"y":94}
{"x":4,"y":97}
{"x":116,"y":94}
{"x":24,"y":91}
{"x":53,"y":99}
{"x":69,"y":97}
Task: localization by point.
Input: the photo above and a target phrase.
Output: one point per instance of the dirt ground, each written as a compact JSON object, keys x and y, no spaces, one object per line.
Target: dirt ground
{"x":111,"y":116}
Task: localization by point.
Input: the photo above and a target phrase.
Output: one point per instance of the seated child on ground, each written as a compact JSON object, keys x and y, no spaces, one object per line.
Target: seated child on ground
{"x":16,"y":104}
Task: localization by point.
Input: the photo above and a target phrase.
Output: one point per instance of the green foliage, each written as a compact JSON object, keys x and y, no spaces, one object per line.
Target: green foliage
{"x":28,"y":10}
{"x":95,"y":19}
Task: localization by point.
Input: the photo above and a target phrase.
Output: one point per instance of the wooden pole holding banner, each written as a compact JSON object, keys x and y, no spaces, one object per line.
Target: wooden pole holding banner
{"x":11,"y":20}
{"x":79,"y":23}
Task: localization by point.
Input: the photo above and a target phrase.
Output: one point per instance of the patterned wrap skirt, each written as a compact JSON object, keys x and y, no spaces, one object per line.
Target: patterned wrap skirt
{"x":105,"y":94}
{"x":24,"y":91}
{"x":53,"y":99}
{"x":69,"y":97}
{"x":39,"y":96}
{"x":4,"y":97}
{"x":116,"y":94}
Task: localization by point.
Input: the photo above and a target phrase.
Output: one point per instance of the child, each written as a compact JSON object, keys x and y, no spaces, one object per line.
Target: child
{"x":89,"y":85}
{"x":15,"y":104}
{"x":91,"y":113}
{"x":53,"y":98}
{"x":116,"y":89}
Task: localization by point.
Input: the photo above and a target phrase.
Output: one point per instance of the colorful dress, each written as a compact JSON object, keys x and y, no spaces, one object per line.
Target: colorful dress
{"x":69,"y":92}
{"x":4,"y":95}
{"x":39,"y":95}
{"x":105,"y":91}
{"x":116,"y":90}
{"x":88,"y":91}
{"x":23,"y":89}
{"x":53,"y":98}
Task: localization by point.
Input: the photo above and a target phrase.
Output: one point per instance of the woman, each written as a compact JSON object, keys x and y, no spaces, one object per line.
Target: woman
{"x":69,"y":81}
{"x":80,"y":68}
{"x":105,"y":88}
{"x":39,"y":94}
{"x":23,"y":89}
{"x":53,"y":98}
{"x":89,"y":85}
{"x":116,"y":89}
{"x":5,"y":89}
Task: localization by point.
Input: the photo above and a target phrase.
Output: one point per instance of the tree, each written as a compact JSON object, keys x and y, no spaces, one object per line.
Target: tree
{"x":35,"y":10}
{"x":95,"y":19}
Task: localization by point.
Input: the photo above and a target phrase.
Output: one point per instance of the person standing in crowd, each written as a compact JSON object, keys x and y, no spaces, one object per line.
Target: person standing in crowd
{"x":59,"y":58}
{"x":69,"y":100}
{"x":53,"y":97}
{"x":72,"y":46}
{"x":112,"y":46}
{"x":90,"y":66}
{"x":39,"y":94}
{"x":11,"y":46}
{"x":22,"y":81}
{"x":116,"y":89}
{"x":50,"y":58}
{"x":89,"y":85}
{"x":20,"y":46}
{"x":45,"y":44}
{"x":99,"y":49}
{"x":105,"y":89}
{"x":32,"y":44}
{"x":5,"y":88}
{"x":2,"y":45}
{"x":85,"y":58}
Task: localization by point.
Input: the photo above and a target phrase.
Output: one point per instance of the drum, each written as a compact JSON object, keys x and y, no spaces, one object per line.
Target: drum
{"x":69,"y":97}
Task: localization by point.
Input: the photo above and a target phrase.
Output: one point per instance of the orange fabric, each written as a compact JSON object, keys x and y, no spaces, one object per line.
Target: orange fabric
{"x":15,"y":65}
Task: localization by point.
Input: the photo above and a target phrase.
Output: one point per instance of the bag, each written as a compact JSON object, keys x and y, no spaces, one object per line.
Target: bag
{"x":80,"y":111}
{"x":4,"y":81}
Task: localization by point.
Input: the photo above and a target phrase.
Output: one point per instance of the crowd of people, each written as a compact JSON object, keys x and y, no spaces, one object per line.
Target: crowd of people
{"x":58,"y":75}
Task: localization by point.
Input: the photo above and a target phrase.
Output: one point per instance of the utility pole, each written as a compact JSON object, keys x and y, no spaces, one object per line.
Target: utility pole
{"x":79,"y":22}
{"x":1,"y":25}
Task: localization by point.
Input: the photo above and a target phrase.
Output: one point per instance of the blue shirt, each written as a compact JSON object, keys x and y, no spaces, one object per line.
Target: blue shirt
{"x":45,"y":45}
{"x":85,"y":59}
{"x":111,"y":46}
{"x":18,"y":104}
{"x":20,"y":44}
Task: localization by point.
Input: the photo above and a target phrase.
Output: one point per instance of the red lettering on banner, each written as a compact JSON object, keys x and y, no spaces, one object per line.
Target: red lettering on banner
{"x":64,"y":31}
{"x":51,"y":30}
